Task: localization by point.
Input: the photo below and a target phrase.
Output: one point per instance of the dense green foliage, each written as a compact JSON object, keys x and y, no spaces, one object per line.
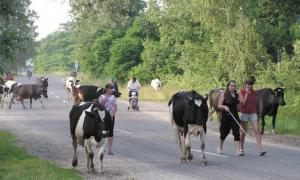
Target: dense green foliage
{"x":17,"y":33}
{"x":56,"y":53}
{"x":17,"y":164}
{"x":194,"y":44}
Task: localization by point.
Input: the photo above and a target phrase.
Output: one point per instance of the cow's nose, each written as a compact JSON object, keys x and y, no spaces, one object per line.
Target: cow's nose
{"x":283,"y":103}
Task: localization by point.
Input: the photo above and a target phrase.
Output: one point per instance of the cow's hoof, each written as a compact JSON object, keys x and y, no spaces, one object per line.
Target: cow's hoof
{"x":183,"y":160}
{"x":204,"y":163}
{"x":190,"y":157}
{"x":273,"y":131}
{"x":74,"y":163}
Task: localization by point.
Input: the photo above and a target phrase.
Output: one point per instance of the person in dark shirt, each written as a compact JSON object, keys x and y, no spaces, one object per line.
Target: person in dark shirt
{"x":228,"y":103}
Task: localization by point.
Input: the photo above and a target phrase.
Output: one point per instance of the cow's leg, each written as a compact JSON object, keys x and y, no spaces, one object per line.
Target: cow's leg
{"x":273,"y":122}
{"x":42,"y":101}
{"x":202,"y":147}
{"x":11,"y":101}
{"x":188,"y":147}
{"x":263,"y":123}
{"x":183,"y":147}
{"x":30,"y":100}
{"x":75,"y":159}
{"x":101,"y":154}
{"x":89,"y":154}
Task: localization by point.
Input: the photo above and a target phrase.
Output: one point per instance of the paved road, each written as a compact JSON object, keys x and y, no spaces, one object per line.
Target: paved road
{"x":144,"y":144}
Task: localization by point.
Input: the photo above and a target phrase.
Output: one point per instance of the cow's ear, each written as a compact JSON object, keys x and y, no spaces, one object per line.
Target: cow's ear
{"x":89,"y":114}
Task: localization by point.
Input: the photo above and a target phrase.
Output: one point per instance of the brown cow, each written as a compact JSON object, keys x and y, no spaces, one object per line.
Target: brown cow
{"x":213,"y":98}
{"x":29,"y":91}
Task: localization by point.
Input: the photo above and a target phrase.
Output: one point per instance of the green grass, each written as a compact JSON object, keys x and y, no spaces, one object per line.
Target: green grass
{"x":17,"y":164}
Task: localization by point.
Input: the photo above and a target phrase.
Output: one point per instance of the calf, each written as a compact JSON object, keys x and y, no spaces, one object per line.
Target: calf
{"x":189,"y":113}
{"x":268,"y":101}
{"x":70,"y":83}
{"x":89,"y":124}
{"x":156,"y":84}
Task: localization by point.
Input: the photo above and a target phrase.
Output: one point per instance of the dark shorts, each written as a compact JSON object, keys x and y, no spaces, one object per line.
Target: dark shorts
{"x":111,"y":129}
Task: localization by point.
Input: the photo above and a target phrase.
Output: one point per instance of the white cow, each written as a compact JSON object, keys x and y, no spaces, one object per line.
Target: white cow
{"x":70,"y":83}
{"x":156,"y":84}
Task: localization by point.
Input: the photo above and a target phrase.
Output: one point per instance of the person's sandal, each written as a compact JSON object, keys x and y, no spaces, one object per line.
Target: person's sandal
{"x":239,"y":153}
{"x":242,"y":152}
{"x":219,"y":151}
{"x":262,"y":153}
{"x":110,"y":153}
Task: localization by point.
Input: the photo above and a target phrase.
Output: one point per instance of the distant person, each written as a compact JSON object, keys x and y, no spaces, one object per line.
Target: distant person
{"x":8,"y":76}
{"x":133,"y":85}
{"x":109,"y":101}
{"x":248,"y":109}
{"x":29,"y":73}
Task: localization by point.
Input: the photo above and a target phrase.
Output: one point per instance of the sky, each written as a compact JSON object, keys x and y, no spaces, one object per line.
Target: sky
{"x":51,"y":13}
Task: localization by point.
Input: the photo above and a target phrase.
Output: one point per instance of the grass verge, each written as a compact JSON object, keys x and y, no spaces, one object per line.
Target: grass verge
{"x":17,"y":164}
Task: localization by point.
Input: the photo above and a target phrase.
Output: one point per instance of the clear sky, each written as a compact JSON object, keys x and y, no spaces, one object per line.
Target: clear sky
{"x":51,"y":13}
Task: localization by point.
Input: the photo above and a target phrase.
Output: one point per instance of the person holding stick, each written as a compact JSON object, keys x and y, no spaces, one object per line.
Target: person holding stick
{"x":228,"y":103}
{"x":248,"y":109}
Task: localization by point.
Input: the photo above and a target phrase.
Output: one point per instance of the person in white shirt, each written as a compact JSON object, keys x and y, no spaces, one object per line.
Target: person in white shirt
{"x":133,"y":85}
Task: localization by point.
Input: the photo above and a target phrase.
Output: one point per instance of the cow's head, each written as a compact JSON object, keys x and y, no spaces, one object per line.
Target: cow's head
{"x":198,"y":107}
{"x":279,"y":95}
{"x":101,"y":120}
{"x":44,"y":85}
{"x":116,"y":93}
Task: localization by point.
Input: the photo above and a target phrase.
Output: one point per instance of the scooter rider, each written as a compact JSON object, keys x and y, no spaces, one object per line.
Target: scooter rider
{"x":133,"y":86}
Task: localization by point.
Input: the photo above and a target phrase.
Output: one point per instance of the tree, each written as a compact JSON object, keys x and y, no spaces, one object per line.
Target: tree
{"x":17,"y":31}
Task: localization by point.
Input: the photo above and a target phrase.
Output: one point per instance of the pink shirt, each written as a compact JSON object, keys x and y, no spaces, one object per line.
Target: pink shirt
{"x":250,"y":105}
{"x":109,"y":102}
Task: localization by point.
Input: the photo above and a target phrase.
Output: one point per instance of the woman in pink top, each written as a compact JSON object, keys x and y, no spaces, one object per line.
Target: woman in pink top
{"x":109,"y":101}
{"x":247,"y":98}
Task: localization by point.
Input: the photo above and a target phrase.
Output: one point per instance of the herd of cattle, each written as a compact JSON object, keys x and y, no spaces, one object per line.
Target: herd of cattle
{"x":90,"y":122}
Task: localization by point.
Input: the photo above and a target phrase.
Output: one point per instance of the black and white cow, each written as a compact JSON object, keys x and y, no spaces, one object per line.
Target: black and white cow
{"x":9,"y":87}
{"x":70,"y":83}
{"x":89,"y":124}
{"x":189,"y":113}
{"x":268,"y":101}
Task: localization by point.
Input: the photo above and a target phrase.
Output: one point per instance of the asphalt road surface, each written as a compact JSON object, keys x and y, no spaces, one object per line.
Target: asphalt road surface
{"x":144,"y":145}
